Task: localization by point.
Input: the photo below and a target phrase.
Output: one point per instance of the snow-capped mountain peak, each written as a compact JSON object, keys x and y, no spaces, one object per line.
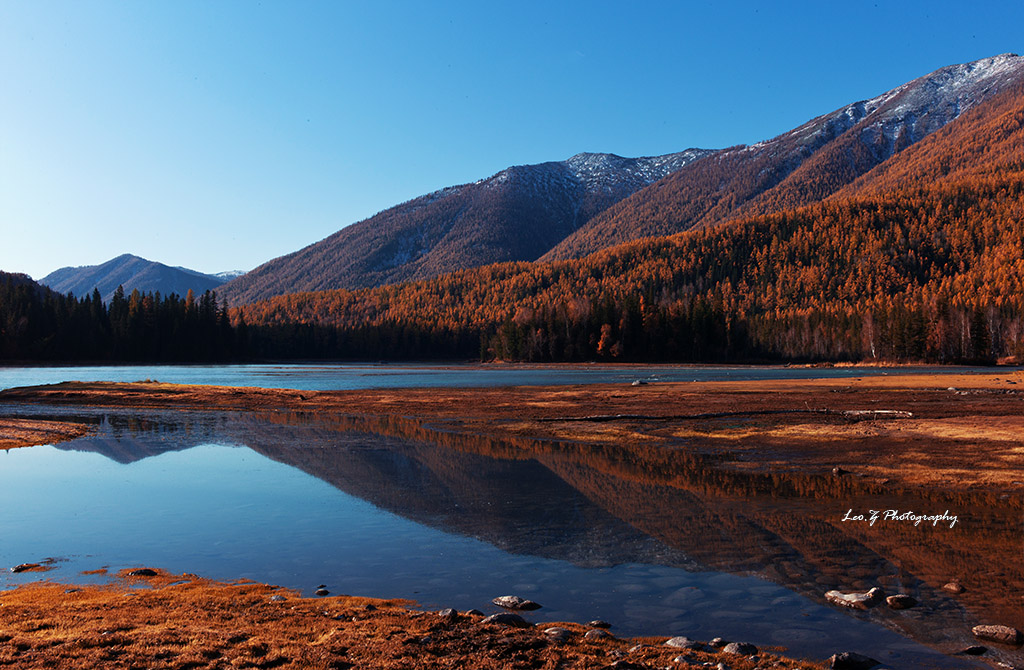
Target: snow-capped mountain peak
{"x":908,"y":113}
{"x":604,"y":170}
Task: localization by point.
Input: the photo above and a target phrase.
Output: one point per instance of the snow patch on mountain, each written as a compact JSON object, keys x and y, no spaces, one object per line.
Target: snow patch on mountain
{"x":595,"y":173}
{"x":907,"y":113}
{"x":608,"y":171}
{"x":228,"y":275}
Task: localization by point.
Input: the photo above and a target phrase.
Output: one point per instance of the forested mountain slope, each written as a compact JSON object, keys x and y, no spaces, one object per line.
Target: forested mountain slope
{"x":518,"y":214}
{"x":924,"y":259}
{"x":987,"y":140}
{"x":800,"y":167}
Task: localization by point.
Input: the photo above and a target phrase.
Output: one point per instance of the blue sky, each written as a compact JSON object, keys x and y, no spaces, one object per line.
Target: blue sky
{"x":218,"y":135}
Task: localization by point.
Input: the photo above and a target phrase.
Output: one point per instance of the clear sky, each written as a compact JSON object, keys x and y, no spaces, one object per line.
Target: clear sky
{"x":217,"y":135}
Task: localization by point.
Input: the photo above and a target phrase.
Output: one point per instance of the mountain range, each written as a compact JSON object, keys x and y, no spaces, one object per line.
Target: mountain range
{"x":572,"y":208}
{"x":802,"y":166}
{"x":515,"y":215}
{"x":591,"y":201}
{"x":892,"y":228}
{"x":919,"y":258}
{"x":131,"y":272}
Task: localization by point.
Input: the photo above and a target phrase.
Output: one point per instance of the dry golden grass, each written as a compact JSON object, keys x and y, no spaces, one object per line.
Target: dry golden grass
{"x":184,"y":622}
{"x":25,"y":432}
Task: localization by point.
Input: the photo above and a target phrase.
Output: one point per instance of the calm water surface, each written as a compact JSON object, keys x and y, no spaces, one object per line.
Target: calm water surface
{"x":389,"y":511}
{"x":345,"y":377}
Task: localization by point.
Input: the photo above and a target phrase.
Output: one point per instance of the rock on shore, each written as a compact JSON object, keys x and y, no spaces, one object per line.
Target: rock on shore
{"x":1003,"y":634}
{"x":515,"y":603}
{"x":861,"y":601}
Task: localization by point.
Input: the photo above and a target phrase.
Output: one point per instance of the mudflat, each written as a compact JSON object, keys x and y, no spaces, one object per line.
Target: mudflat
{"x":959,"y":431}
{"x":26,"y":432}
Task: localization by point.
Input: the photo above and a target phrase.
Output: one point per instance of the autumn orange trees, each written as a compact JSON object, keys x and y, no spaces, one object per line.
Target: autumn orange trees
{"x":933,"y":274}
{"x":922,"y":258}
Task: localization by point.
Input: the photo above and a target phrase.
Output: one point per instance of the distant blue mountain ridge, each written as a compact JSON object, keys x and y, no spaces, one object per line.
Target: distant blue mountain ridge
{"x":131,"y":272}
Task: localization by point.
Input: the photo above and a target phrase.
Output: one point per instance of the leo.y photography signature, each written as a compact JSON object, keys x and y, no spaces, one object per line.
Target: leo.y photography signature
{"x":896,"y":515}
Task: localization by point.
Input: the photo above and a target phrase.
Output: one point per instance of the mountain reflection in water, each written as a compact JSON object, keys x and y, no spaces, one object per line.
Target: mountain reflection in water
{"x":599,"y":506}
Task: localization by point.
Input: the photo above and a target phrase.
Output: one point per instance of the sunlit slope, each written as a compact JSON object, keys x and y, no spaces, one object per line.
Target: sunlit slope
{"x":931,"y":270}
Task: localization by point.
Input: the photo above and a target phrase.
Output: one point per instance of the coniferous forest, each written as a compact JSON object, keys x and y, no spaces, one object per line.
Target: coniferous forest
{"x":37,"y":324}
{"x":843,"y":282}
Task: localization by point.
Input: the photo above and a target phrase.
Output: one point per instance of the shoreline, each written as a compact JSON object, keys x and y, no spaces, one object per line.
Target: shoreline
{"x":185,"y":621}
{"x":949,"y":431}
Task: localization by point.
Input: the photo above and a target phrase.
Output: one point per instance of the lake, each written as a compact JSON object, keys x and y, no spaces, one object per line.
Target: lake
{"x":393,"y":510}
{"x":317,"y":377}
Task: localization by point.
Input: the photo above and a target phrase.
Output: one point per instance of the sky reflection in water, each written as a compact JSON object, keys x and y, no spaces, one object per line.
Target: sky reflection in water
{"x":445,"y":528}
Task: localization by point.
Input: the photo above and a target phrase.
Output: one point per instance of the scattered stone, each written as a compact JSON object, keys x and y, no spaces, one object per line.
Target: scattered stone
{"x":322,"y":592}
{"x":628,"y":665}
{"x":370,"y":607}
{"x":599,"y":623}
{"x":975,"y":650}
{"x":597,"y":634}
{"x":900,"y":601}
{"x":72,"y":590}
{"x":277,"y":598}
{"x":839,"y":472}
{"x":638,"y":647}
{"x":474,"y":612}
{"x":506,"y":619}
{"x":849,"y":660}
{"x":515,"y":603}
{"x":861,"y":601}
{"x":321,"y":586}
{"x":741,"y":648}
{"x":1003,"y":634}
{"x":142,"y":572}
{"x":448,"y":614}
{"x":718,"y":642}
{"x":557,"y":634}
{"x":683,"y":642}
{"x":954,"y":587}
{"x":639,"y":382}
{"x":26,"y":567}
